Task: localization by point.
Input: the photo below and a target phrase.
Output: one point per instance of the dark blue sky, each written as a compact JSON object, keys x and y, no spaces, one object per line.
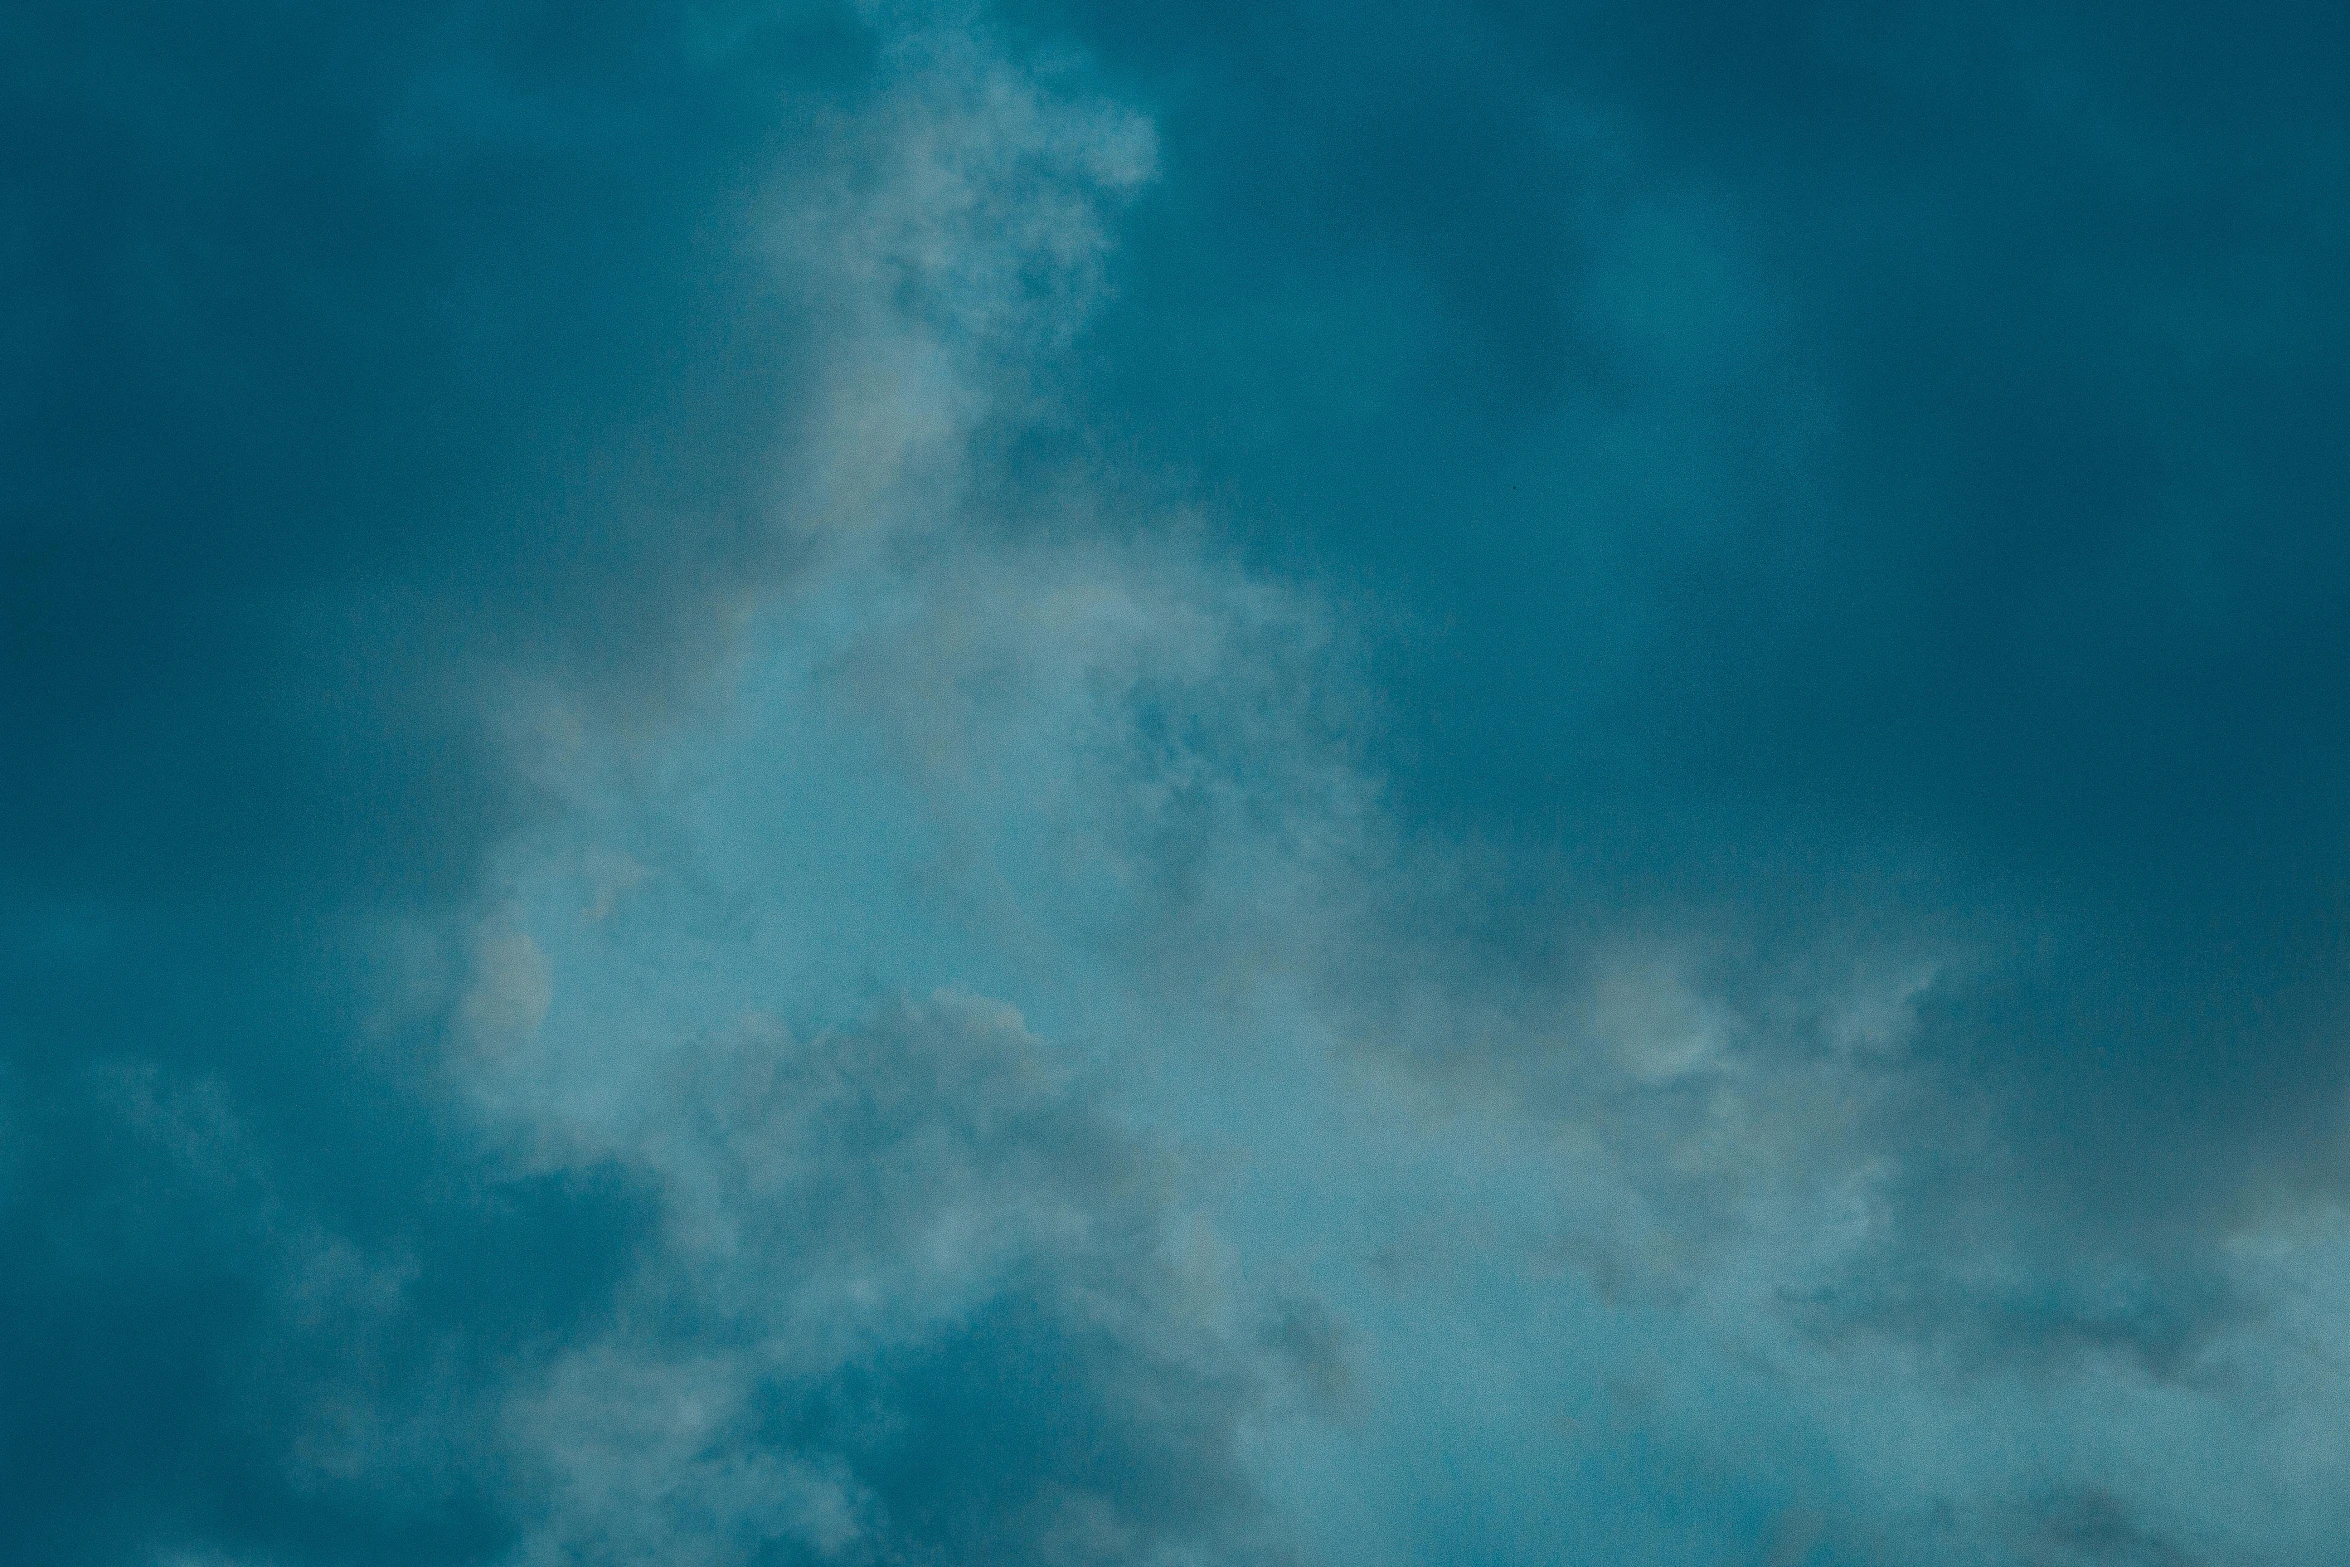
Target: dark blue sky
{"x":1054,"y":783}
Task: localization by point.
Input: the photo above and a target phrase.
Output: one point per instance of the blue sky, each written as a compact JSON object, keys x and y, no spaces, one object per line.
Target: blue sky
{"x":1062,"y":784}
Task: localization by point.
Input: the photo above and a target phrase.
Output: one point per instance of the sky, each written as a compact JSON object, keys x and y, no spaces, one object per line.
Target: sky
{"x":876,"y":784}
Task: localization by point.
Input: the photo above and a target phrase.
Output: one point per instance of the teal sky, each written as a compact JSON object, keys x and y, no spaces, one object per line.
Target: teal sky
{"x":926,"y":786}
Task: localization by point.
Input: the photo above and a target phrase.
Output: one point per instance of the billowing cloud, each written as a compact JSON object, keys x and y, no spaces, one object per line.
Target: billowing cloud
{"x":407,"y":404}
{"x":897,"y":784}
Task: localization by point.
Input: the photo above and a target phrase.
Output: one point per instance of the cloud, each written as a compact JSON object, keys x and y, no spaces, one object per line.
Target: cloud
{"x":918,"y":1298}
{"x":1622,"y":710}
{"x":1841,"y":477}
{"x":409,"y":407}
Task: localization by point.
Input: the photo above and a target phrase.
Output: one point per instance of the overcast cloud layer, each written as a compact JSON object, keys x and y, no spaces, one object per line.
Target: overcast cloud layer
{"x":1061,"y":784}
